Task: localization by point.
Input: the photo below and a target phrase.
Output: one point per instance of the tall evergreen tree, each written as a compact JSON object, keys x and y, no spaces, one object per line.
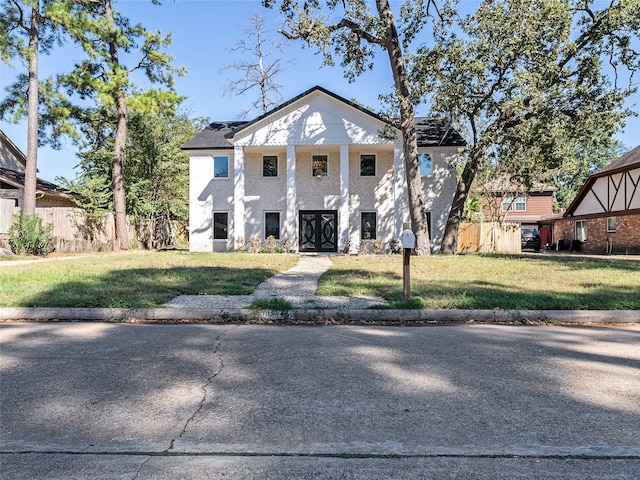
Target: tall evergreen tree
{"x":109,"y":40}
{"x":25,"y":32}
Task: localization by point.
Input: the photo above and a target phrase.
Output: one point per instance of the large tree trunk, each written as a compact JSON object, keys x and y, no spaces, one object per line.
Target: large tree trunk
{"x":450,"y":241}
{"x":117,"y":172}
{"x":417,"y":210}
{"x":31,"y":168}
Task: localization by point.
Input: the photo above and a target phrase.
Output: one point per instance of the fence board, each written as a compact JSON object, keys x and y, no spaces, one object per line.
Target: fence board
{"x":71,"y":232}
{"x":6,"y":214}
{"x":489,"y":237}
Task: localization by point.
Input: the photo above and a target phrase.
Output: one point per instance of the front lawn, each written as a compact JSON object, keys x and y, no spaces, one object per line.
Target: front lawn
{"x":135,"y":279}
{"x":545,"y":281}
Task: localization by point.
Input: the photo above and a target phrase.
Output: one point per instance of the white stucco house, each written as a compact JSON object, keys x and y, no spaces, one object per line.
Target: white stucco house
{"x":317,"y":170}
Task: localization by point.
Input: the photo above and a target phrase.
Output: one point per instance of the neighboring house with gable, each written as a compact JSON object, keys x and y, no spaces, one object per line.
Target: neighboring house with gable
{"x":317,"y":170}
{"x":605,"y":215}
{"x":12,"y":166}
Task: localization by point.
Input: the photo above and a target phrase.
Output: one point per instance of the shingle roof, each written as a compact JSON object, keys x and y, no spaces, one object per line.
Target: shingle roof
{"x":632,"y":157}
{"x":48,"y":188}
{"x":219,"y":135}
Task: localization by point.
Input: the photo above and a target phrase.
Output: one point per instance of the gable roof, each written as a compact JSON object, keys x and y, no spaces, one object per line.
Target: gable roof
{"x":11,"y":147}
{"x":219,"y":135}
{"x":42,"y":186}
{"x":628,"y":161}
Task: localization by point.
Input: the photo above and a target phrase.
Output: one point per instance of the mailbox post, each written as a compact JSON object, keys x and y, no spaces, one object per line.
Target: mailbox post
{"x":408,"y":240}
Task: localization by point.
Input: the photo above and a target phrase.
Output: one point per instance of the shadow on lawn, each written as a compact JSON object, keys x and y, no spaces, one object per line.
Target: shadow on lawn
{"x":474,"y":294}
{"x":149,"y":287}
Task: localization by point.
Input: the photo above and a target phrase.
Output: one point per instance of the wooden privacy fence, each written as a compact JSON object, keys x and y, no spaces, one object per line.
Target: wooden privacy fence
{"x":489,"y":237}
{"x":71,"y":231}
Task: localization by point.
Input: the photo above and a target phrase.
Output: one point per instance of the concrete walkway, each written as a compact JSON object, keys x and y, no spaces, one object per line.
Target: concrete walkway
{"x":297,"y":285}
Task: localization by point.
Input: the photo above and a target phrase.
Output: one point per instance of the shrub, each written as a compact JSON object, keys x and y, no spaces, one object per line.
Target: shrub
{"x":286,"y":245}
{"x":253,"y":244}
{"x":28,"y":236}
{"x":378,"y":249}
{"x":270,"y":244}
{"x":363,"y":248}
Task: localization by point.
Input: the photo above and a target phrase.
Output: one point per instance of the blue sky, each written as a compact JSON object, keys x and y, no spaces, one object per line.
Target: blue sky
{"x":201,"y":32}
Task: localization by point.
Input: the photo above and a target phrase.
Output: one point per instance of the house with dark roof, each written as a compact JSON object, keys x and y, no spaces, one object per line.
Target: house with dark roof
{"x":318,"y":171}
{"x":12,"y":165}
{"x":605,"y":215}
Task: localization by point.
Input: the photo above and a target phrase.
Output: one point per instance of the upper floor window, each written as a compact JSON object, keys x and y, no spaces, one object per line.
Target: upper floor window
{"x":367,"y":165}
{"x":220,"y":167}
{"x":270,"y":166}
{"x":509,"y":205}
{"x":319,"y":163}
{"x":424,"y":159}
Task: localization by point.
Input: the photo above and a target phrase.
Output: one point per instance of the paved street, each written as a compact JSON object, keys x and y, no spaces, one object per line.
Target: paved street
{"x":129,"y":401}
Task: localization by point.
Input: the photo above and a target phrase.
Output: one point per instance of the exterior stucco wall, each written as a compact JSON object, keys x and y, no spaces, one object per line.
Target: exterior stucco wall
{"x":264,"y":194}
{"x":207,"y":195}
{"x":439,"y":188}
{"x":371,"y":194}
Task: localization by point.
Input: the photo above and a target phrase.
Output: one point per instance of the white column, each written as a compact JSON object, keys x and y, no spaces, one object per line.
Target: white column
{"x":344,"y":216}
{"x":398,"y":188}
{"x":290,"y":216}
{"x":238,"y":198}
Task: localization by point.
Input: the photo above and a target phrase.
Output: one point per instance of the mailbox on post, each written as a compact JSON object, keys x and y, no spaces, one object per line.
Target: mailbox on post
{"x":408,"y":240}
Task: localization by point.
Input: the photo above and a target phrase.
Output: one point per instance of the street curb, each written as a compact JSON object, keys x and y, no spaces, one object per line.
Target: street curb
{"x":302,"y":316}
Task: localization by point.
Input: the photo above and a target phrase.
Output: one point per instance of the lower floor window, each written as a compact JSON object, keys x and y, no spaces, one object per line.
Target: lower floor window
{"x":611,"y":224}
{"x":581,"y":230}
{"x":220,"y":225}
{"x":272,"y":225}
{"x":368,"y":226}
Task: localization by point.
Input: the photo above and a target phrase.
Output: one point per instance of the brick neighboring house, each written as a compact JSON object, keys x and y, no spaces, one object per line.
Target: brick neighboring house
{"x":533,"y":209}
{"x":605,"y":215}
{"x":318,"y":170}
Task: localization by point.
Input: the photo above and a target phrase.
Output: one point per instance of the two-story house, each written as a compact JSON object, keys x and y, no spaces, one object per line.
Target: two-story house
{"x":319,"y":170}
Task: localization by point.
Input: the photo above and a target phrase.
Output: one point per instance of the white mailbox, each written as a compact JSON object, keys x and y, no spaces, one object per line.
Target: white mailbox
{"x":408,"y":239}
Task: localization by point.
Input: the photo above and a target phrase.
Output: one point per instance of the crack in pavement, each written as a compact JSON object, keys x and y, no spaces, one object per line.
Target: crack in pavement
{"x":204,"y":389}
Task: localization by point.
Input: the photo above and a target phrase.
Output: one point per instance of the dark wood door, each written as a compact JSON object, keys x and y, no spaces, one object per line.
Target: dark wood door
{"x":318,"y":232}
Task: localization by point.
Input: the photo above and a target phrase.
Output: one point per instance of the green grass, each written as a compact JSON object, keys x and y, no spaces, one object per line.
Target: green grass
{"x":279,"y":304}
{"x":545,"y":282}
{"x":135,"y":279}
{"x":148,"y":279}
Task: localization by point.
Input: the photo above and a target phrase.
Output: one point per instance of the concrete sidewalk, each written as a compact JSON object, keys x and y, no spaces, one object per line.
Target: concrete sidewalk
{"x":297,"y":286}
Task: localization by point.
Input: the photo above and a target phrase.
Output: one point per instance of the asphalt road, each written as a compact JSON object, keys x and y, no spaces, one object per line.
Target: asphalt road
{"x":119,"y":401}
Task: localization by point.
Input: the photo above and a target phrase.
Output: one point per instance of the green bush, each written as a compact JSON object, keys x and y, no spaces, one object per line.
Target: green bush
{"x":28,"y":236}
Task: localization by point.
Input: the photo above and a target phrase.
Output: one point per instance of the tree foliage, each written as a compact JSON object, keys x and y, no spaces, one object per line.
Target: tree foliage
{"x":101,"y":83}
{"x":526,"y":82}
{"x":351,"y":32}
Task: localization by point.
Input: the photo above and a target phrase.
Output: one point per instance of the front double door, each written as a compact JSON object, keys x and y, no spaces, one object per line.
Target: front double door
{"x":318,"y":231}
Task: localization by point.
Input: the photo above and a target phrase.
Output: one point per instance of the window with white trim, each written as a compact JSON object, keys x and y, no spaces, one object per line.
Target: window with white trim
{"x":272,"y":225}
{"x":581,"y":230}
{"x":612,"y":224}
{"x":221,"y":167}
{"x":319,"y":165}
{"x":368,"y":222}
{"x":220,"y":225}
{"x":367,"y":165}
{"x":270,"y":166}
{"x":424,"y":159}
